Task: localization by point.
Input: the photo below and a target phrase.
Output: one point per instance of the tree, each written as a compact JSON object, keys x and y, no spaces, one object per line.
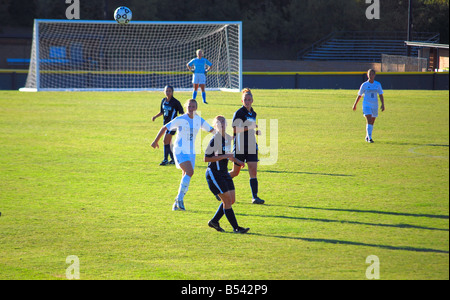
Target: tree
{"x":277,"y":25}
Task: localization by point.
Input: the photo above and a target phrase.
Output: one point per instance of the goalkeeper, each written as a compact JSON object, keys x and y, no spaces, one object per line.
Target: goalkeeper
{"x":199,"y":66}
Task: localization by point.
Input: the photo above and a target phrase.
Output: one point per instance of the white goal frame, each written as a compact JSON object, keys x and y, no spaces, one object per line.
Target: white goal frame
{"x":39,"y":68}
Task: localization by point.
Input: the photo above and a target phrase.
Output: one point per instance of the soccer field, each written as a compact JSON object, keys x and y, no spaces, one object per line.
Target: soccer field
{"x":78,"y":178}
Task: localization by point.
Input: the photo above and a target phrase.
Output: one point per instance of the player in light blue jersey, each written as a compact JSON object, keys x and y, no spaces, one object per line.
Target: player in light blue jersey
{"x":370,"y":89}
{"x":199,"y":66}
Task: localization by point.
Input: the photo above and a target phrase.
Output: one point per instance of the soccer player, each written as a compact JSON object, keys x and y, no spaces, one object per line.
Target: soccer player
{"x":199,"y":66}
{"x":187,"y":127}
{"x":169,"y":108}
{"x":219,"y":180}
{"x":370,"y":89}
{"x":245,"y":146}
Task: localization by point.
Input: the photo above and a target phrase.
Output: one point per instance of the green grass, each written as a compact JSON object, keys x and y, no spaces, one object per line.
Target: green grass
{"x":78,"y":177}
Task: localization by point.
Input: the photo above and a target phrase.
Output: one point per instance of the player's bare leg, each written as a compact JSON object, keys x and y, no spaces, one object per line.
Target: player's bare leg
{"x":202,"y":87}
{"x":235,"y":171}
{"x":194,"y":94}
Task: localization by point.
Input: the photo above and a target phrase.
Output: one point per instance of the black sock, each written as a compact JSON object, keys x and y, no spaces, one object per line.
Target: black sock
{"x":170,"y":152}
{"x":254,"y":186}
{"x":229,"y":213}
{"x":219,"y":214}
{"x":166,"y":151}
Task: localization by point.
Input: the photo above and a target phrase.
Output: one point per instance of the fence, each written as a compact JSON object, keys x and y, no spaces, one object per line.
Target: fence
{"x":398,"y":63}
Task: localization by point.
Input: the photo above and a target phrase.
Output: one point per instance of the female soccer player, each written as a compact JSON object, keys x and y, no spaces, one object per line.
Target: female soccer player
{"x":219,"y":180}
{"x":200,"y":66}
{"x":187,"y":127}
{"x":169,"y":108}
{"x":245,"y":146}
{"x":370,"y":89}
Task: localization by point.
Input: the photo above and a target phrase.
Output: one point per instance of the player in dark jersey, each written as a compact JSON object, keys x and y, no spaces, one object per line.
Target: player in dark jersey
{"x":245,"y":146}
{"x":219,"y":180}
{"x":169,"y":108}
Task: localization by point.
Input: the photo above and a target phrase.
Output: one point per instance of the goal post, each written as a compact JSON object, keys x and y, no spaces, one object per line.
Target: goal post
{"x":82,"y":55}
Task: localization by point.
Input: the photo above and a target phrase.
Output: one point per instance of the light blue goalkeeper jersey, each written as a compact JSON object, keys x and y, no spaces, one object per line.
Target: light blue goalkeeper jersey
{"x":199,"y":65}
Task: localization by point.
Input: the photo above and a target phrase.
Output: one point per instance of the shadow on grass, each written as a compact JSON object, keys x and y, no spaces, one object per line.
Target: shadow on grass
{"x":408,"y":226}
{"x":412,"y":144}
{"x":341,"y":242}
{"x":369,"y":211}
{"x":291,"y":172}
{"x":236,"y":105}
{"x":304,"y":173}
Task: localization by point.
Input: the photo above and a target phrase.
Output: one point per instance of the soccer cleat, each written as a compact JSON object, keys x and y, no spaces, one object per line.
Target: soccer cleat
{"x":172,"y":162}
{"x":369,"y":140}
{"x":241,"y":230}
{"x":205,"y":102}
{"x":164,"y":163}
{"x":216,"y":226}
{"x":258,"y":200}
{"x":180,"y":205}
{"x":175,"y":205}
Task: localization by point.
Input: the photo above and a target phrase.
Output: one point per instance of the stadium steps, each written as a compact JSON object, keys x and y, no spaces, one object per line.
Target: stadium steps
{"x":361,"y":50}
{"x":361,"y":47}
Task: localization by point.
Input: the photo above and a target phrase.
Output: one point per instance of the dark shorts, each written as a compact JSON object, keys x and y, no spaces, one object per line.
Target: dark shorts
{"x":247,"y":157}
{"x":219,"y":182}
{"x":171,"y":132}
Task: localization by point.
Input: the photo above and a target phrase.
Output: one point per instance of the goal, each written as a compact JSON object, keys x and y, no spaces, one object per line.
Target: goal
{"x":75,"y":55}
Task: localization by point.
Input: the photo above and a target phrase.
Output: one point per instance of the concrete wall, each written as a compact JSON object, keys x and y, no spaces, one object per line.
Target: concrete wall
{"x":13,"y":80}
{"x":351,"y":80}
{"x":13,"y":48}
{"x":254,"y":65}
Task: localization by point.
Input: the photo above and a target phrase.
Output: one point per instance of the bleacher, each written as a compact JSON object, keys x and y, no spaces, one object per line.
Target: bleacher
{"x":361,"y":46}
{"x":18,"y":62}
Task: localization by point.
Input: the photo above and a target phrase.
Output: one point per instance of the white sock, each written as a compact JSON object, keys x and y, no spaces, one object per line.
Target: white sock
{"x":369,"y":129}
{"x":184,"y":186}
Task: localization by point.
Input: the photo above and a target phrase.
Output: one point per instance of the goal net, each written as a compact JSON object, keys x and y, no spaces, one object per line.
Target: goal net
{"x":74,"y":55}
